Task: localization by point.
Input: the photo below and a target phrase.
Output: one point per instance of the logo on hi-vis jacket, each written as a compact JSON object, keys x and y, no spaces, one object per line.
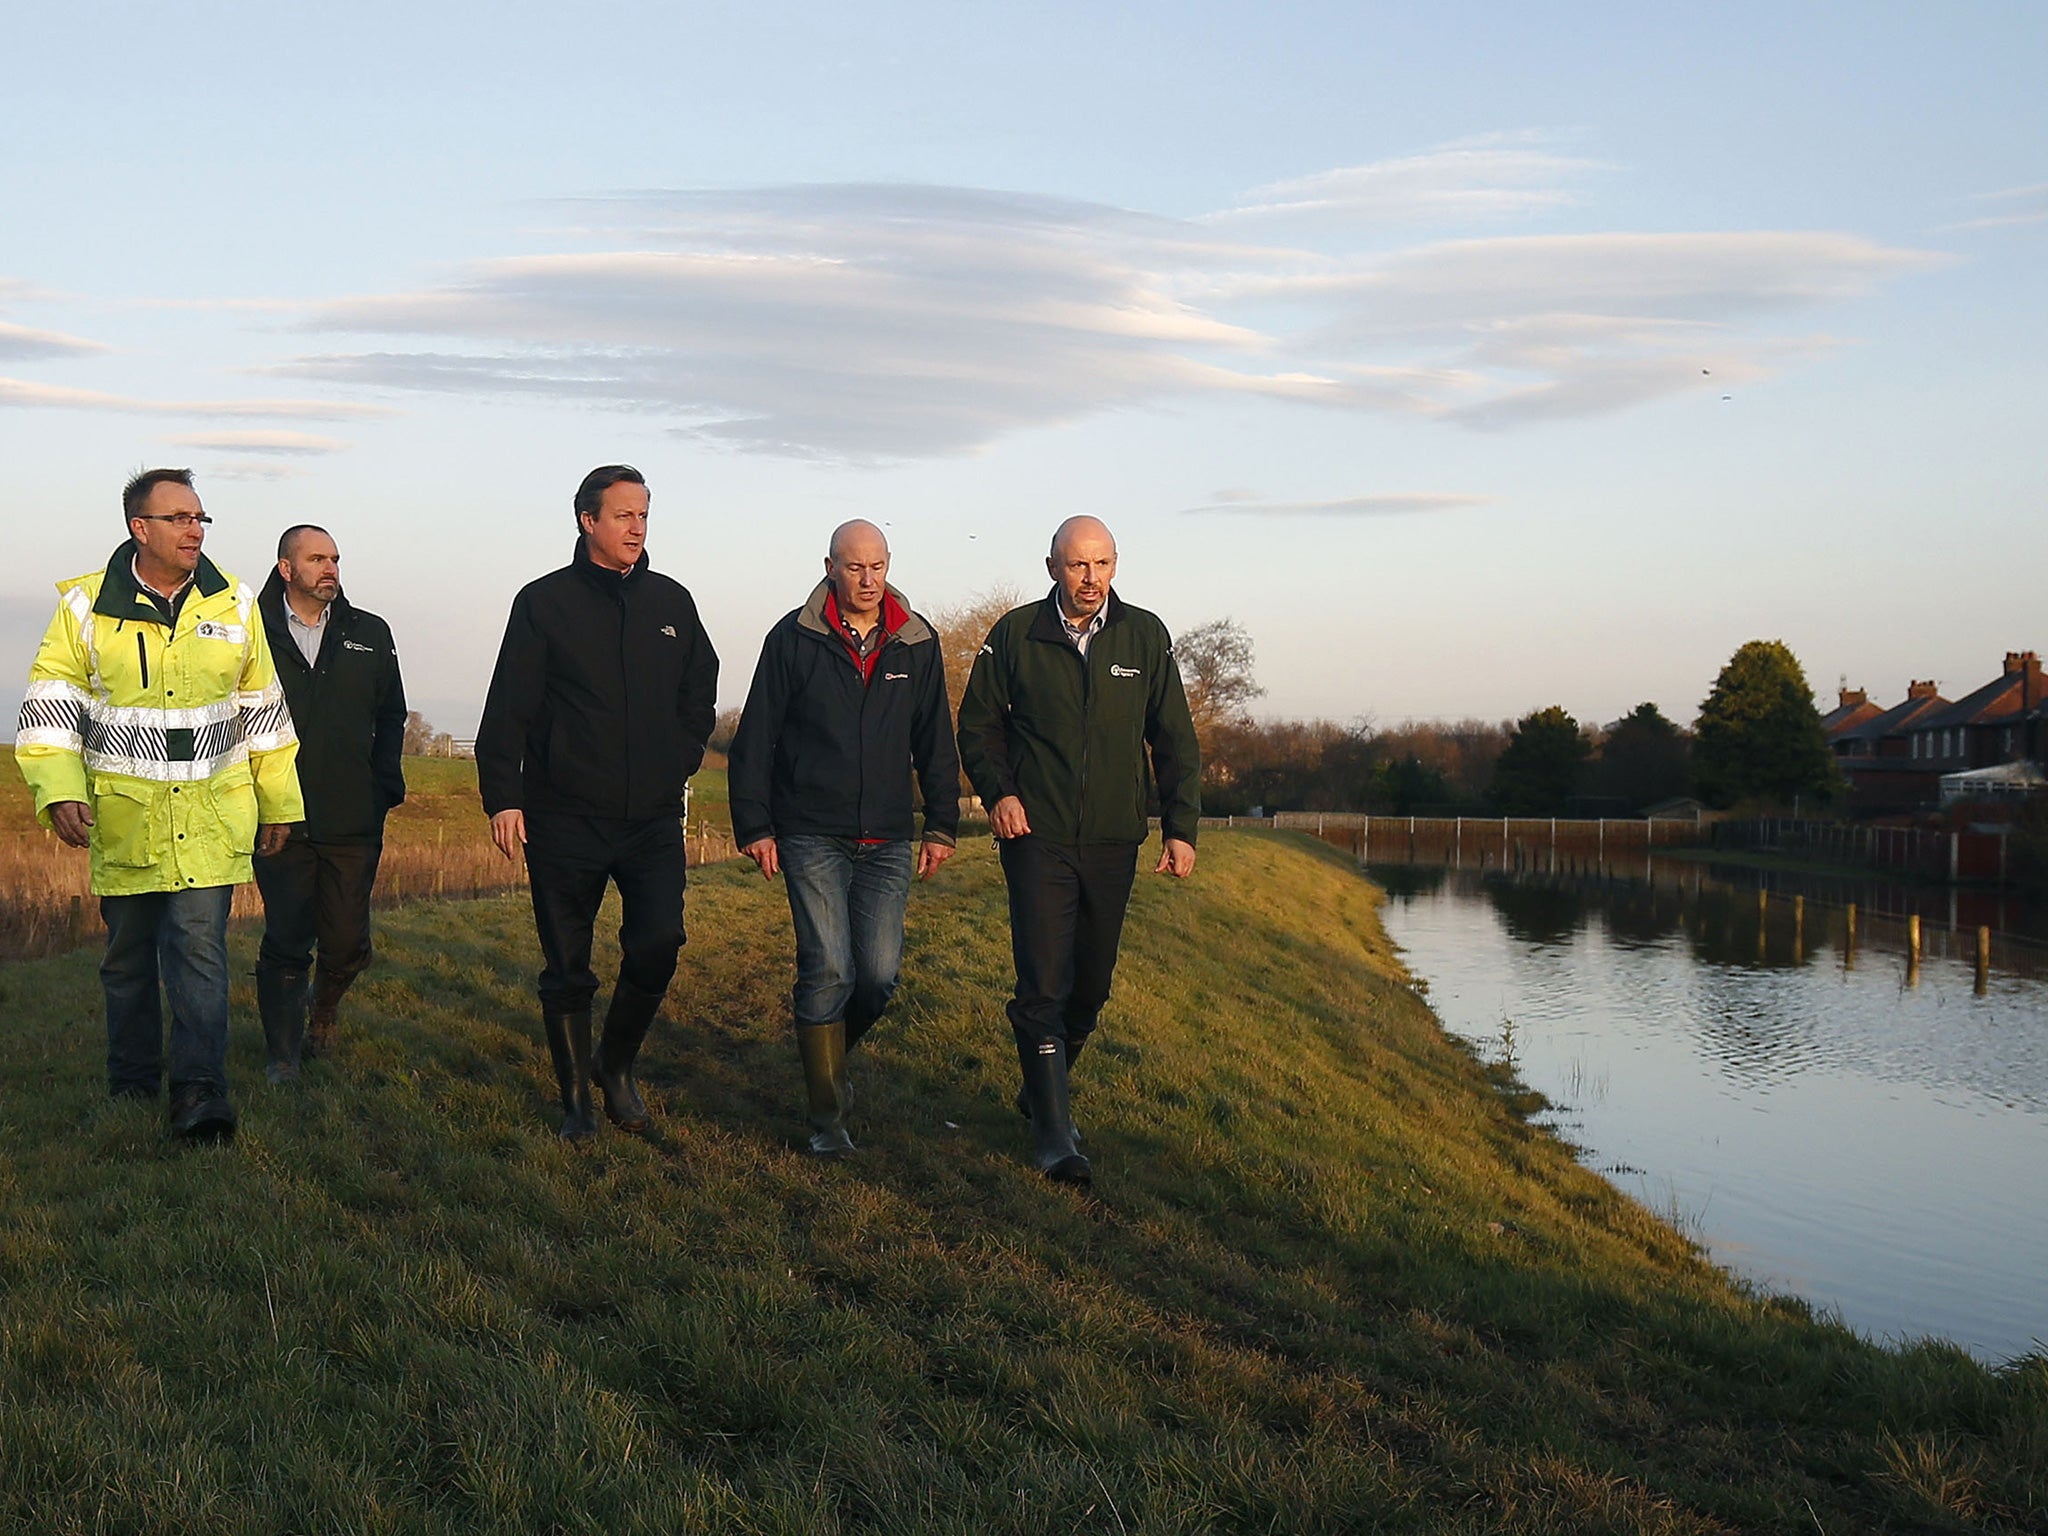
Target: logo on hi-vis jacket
{"x":1117,"y":671}
{"x":207,"y":629}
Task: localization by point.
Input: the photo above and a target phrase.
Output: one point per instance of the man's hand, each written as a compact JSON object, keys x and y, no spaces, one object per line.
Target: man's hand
{"x":762,"y":851}
{"x":930,"y":856}
{"x":1006,"y":818}
{"x":508,"y":831}
{"x":1176,"y":859}
{"x":71,"y":820}
{"x":271,"y":836}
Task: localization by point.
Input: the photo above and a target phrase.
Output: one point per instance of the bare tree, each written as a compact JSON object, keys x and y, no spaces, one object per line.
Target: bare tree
{"x":1216,"y":662}
{"x":962,"y":627}
{"x":419,"y":735}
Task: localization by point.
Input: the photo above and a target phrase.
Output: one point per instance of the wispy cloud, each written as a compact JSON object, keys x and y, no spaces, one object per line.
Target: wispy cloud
{"x":874,"y":322}
{"x":260,"y":440}
{"x":253,"y":469}
{"x":1487,"y":179}
{"x":20,"y":342}
{"x":1381,"y":505}
{"x":2029,"y":205}
{"x":24,"y":394}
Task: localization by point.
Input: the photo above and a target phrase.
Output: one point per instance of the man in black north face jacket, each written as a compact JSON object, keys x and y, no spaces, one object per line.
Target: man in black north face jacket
{"x":599,"y":709}
{"x":848,"y":703}
{"x":339,"y":670}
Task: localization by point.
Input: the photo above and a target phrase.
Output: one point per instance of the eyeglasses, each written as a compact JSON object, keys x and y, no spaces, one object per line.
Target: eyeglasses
{"x":175,"y":519}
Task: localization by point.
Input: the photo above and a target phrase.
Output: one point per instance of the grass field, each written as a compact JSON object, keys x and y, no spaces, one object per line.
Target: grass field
{"x":1330,"y":1281}
{"x":438,"y":843}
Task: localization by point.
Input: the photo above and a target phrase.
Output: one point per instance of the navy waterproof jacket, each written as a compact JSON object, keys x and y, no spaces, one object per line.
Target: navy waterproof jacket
{"x":825,"y":751}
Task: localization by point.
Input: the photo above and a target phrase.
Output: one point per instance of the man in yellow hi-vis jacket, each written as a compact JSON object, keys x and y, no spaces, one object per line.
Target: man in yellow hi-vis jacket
{"x":155,"y":733}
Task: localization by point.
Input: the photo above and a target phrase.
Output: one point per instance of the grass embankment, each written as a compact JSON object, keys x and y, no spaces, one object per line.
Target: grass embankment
{"x":1329,"y":1281}
{"x":438,"y":843}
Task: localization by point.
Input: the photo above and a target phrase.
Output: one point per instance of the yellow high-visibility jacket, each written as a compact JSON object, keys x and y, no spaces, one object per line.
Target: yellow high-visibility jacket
{"x":176,"y":736}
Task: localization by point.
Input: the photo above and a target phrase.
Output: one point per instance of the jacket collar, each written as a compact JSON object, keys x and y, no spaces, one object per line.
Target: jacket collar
{"x":1046,"y":625}
{"x":610,"y":581}
{"x":911,"y":631}
{"x":121,"y":598}
{"x":270,"y":603}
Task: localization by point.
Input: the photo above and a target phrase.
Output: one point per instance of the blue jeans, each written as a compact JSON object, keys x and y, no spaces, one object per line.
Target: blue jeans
{"x":181,"y":938}
{"x":846,"y":900}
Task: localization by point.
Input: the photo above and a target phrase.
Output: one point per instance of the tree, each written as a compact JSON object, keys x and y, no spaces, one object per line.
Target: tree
{"x":1759,"y":738}
{"x":1540,"y":767}
{"x":1644,"y":759}
{"x":1216,"y":669}
{"x":1404,"y":786}
{"x":962,"y":627}
{"x":723,"y":729}
{"x":419,"y":735}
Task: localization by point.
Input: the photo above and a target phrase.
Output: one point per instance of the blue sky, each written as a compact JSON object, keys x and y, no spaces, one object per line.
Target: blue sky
{"x":1473,"y":358}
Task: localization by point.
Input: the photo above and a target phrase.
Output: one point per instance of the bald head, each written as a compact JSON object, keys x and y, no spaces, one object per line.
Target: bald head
{"x":858,"y":568}
{"x":1083,"y":562}
{"x":860,"y":533}
{"x":1090,"y":528}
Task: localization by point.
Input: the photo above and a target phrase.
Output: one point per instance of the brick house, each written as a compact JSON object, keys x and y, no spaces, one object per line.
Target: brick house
{"x":1873,"y":750}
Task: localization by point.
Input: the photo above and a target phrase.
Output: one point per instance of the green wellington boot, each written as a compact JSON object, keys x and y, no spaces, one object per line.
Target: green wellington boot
{"x":822,"y":1048}
{"x":281,"y":1004}
{"x":569,"y":1044}
{"x":1053,"y":1151}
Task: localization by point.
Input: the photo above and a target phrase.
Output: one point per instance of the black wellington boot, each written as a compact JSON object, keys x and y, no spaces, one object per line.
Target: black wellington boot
{"x":1074,"y":1045}
{"x":626,"y":1024}
{"x":321,"y":1025}
{"x":822,"y":1048}
{"x":281,"y":1003}
{"x":1053,"y":1151}
{"x":569,"y":1044}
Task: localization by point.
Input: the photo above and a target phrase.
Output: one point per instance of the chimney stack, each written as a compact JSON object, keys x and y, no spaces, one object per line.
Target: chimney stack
{"x":1918,"y":689}
{"x":1850,"y":698}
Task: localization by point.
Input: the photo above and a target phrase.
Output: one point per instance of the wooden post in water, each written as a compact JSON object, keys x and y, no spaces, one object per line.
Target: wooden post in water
{"x":1983,"y":959}
{"x":1763,"y":908}
{"x":1798,"y":927}
{"x":1849,"y":939}
{"x":1913,"y":950}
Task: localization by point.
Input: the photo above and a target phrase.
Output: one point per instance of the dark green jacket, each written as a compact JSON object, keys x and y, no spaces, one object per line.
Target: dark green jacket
{"x":1068,"y":735}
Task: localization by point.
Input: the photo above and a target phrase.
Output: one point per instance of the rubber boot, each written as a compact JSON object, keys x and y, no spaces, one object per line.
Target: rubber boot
{"x":1053,"y":1152}
{"x":320,"y":1027}
{"x":281,"y":1003}
{"x":569,"y":1044}
{"x":822,"y":1048}
{"x":626,"y":1024}
{"x":1074,"y":1044}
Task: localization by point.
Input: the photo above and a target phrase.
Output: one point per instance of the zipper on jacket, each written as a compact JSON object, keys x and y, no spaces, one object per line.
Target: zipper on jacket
{"x":1087,"y":703}
{"x":142,"y":656}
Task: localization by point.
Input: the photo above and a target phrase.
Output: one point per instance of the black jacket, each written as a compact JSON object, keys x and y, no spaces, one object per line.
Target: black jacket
{"x":349,"y":712}
{"x":1068,"y":734}
{"x":822,"y":751}
{"x":603,"y":697}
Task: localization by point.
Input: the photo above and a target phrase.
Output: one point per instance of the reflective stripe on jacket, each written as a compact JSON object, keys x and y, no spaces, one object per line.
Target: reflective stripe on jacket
{"x":177,"y":737}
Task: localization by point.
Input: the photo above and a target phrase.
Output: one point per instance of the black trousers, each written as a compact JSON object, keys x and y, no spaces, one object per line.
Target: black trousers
{"x":1066,"y":919}
{"x":317,"y":894}
{"x":569,"y":859}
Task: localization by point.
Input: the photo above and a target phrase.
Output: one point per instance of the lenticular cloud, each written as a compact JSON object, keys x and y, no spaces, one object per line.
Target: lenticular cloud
{"x":889,"y":322}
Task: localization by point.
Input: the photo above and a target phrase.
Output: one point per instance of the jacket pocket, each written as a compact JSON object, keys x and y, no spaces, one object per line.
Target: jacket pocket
{"x":124,"y":823}
{"x":233,"y":798}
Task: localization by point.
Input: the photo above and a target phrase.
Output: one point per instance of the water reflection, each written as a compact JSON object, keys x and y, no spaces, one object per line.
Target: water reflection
{"x":1830,"y":1117}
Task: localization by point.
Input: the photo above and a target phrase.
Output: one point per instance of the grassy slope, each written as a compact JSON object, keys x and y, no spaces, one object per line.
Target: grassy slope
{"x":1330,"y":1282}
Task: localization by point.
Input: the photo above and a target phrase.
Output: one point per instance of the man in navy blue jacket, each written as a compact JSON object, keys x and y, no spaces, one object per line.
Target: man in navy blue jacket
{"x":597,"y":716}
{"x":848,"y":704}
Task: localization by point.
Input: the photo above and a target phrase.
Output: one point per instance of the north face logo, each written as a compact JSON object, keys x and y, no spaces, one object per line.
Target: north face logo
{"x":669,"y":630}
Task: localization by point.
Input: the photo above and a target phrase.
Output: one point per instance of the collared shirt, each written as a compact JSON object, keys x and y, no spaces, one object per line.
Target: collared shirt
{"x":167,"y":606}
{"x":307,"y":637}
{"x":1081,"y":634}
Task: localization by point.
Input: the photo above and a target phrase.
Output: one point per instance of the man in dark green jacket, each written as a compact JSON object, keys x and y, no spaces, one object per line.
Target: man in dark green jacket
{"x":339,"y":670}
{"x":1073,"y":712}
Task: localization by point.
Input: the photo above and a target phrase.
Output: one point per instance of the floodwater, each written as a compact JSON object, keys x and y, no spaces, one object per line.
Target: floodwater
{"x":1828,"y":1119}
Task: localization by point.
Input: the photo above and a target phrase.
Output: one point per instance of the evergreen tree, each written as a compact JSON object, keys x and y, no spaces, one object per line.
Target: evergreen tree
{"x":1644,"y":759}
{"x":1540,"y":768}
{"x":1759,"y":739}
